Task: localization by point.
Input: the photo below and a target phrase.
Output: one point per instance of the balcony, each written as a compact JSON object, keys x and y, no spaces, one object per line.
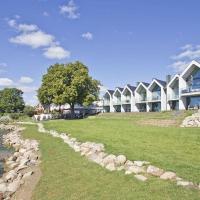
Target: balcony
{"x":117,"y":102}
{"x":126,"y":101}
{"x":154,"y":98}
{"x":190,"y":90}
{"x":106,"y":103}
{"x":141,"y":99}
{"x":173,"y":97}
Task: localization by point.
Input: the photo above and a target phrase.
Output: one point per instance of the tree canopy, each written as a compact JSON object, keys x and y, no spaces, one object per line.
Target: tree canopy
{"x":70,"y":83}
{"x":11,"y":100}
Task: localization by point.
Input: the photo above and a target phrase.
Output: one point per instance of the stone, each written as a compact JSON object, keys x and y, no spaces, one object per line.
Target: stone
{"x":12,"y":187}
{"x":3,"y":187}
{"x":111,"y":167}
{"x":185,"y":183}
{"x":120,"y":168}
{"x":27,"y":174}
{"x":120,"y":160}
{"x":109,"y":159}
{"x":138,"y":163}
{"x":127,"y":164}
{"x":10,"y":176}
{"x":136,"y":169}
{"x":140,"y":177}
{"x":155,"y":171}
{"x":168,"y":176}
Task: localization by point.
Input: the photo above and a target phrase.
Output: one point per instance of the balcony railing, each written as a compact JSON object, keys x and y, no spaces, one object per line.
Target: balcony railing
{"x":126,"y":101}
{"x":173,"y":97}
{"x":117,"y":102}
{"x":189,"y":90}
{"x":106,"y":103}
{"x":141,"y":99}
{"x":154,"y":98}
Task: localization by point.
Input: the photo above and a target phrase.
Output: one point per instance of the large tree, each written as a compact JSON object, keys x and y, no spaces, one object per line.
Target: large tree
{"x":70,"y":83}
{"x":11,"y":100}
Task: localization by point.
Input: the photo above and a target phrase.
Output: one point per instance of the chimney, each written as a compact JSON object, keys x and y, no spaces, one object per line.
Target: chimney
{"x":168,"y":78}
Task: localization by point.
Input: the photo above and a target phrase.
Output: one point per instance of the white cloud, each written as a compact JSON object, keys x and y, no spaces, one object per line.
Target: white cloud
{"x":87,"y":36}
{"x":56,"y":52}
{"x":26,"y":79}
{"x":5,"y":82}
{"x":27,"y":27}
{"x":34,"y":39}
{"x":179,"y":66}
{"x":31,"y":35}
{"x":46,"y":14}
{"x":70,"y":9}
{"x":188,"y":53}
{"x":27,"y":89}
{"x":3,"y":65}
{"x":12,"y":23}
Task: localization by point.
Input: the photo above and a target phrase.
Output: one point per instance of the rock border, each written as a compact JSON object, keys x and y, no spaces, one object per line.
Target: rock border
{"x":19,"y":165}
{"x":95,"y":152}
{"x":192,"y":121}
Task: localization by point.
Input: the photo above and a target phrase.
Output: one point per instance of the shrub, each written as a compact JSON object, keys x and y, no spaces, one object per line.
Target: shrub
{"x":29,"y":110}
{"x":5,"y":120}
{"x":15,"y":116}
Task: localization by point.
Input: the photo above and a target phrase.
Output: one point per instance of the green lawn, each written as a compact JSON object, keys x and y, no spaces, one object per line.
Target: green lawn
{"x":67,"y":175}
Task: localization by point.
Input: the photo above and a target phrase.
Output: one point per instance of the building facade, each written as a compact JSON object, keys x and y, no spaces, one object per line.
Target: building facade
{"x":181,"y":92}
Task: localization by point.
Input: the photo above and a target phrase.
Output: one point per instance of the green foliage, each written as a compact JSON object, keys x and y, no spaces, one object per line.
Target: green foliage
{"x":70,"y":84}
{"x":5,"y":120}
{"x":15,"y":116}
{"x":11,"y":100}
{"x":29,"y":111}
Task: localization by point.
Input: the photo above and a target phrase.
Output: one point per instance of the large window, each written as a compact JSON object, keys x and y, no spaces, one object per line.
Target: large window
{"x":194,"y":80}
{"x":193,"y":102}
{"x":156,"y":93}
{"x":156,"y":107}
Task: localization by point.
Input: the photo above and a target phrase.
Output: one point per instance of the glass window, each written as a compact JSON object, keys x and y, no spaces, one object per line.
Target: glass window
{"x":195,"y":79}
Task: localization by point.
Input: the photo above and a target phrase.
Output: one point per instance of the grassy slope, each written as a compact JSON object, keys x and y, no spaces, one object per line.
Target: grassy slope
{"x":68,"y":176}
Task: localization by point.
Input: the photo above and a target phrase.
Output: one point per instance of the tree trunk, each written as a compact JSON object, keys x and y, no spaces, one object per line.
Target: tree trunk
{"x":72,"y":111}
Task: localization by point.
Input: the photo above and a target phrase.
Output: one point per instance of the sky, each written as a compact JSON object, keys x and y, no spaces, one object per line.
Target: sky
{"x":121,"y":41}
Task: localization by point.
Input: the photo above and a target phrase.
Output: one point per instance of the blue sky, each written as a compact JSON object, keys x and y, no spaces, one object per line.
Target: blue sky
{"x":121,"y":41}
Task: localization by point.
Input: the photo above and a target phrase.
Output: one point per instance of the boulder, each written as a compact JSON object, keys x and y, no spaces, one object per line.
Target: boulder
{"x":111,"y":167}
{"x":136,"y":169}
{"x":12,"y":187}
{"x":109,"y":159}
{"x":168,"y":176}
{"x":3,"y":187}
{"x":120,"y":160}
{"x":155,"y":171}
{"x":27,"y":174}
{"x":185,"y":183}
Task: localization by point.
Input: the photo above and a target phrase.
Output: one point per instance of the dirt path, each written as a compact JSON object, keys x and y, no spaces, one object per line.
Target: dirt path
{"x":26,"y":190}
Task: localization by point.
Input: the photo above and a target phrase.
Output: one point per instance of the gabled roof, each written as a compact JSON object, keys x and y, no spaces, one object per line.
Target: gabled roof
{"x":157,"y":81}
{"x":190,"y":68}
{"x":121,"y":89}
{"x":163,"y":83}
{"x":143,"y":84}
{"x":146,"y":84}
{"x":130,"y":88}
{"x":173,"y":79}
{"x":111,"y":91}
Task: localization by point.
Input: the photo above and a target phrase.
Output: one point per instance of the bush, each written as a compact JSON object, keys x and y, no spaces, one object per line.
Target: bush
{"x":5,"y":120}
{"x":15,"y":116}
{"x":29,"y":110}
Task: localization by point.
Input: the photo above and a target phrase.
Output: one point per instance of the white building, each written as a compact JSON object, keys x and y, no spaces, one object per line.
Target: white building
{"x":178,"y":93}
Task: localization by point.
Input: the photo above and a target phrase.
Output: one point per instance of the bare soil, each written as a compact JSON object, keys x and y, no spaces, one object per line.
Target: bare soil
{"x":26,"y":190}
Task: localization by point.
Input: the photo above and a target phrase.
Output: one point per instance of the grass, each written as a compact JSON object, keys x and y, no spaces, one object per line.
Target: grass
{"x":68,"y":176}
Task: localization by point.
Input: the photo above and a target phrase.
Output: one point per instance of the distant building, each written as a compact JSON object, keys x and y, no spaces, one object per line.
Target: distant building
{"x":181,"y":92}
